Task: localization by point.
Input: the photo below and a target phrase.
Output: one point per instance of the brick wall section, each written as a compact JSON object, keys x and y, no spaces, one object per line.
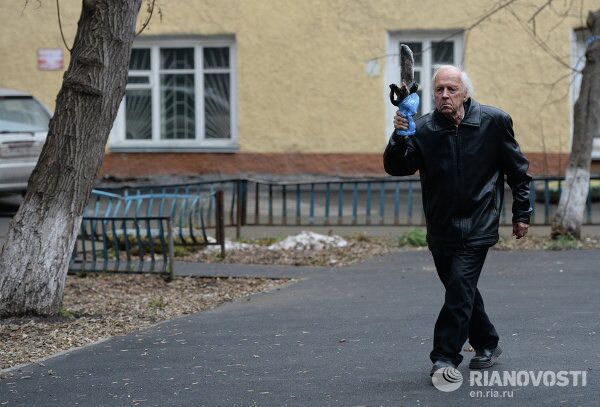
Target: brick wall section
{"x":146,"y":164}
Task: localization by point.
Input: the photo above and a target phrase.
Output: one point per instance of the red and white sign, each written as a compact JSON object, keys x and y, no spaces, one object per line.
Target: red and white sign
{"x":50,"y":59}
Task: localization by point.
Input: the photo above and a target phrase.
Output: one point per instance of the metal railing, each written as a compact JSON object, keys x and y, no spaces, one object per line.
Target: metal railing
{"x":121,"y":244}
{"x":377,"y":201}
{"x":138,"y":232}
{"x":383,"y":201}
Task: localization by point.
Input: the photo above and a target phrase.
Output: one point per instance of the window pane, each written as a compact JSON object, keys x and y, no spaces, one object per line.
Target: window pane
{"x":138,"y":114}
{"x":140,"y":60}
{"x":420,"y":93}
{"x":418,"y":76}
{"x":138,"y":79}
{"x":217,"y":106}
{"x":177,"y":58}
{"x":177,"y":106}
{"x":443,"y":52}
{"x":216,"y":57}
{"x":417,"y":49}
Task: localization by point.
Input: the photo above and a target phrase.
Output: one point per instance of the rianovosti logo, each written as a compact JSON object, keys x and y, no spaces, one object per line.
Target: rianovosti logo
{"x":447,"y":379}
{"x":481,"y":381}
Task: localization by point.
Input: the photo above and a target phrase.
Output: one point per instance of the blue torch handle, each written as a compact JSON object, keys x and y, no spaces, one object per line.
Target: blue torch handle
{"x":408,"y":108}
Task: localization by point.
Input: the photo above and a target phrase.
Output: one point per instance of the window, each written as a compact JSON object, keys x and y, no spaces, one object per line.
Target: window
{"x":179,"y":96}
{"x":430,"y":50}
{"x":578,"y":48}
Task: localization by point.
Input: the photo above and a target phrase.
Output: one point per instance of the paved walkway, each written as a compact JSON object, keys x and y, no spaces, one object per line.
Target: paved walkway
{"x":354,"y":336}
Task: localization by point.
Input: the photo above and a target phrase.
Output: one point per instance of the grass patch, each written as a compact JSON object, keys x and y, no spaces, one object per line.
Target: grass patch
{"x":182,"y":251}
{"x":362,"y":237}
{"x":501,"y":240}
{"x":263,"y":241}
{"x":156,"y":303}
{"x":562,"y":242}
{"x":415,"y":237}
{"x":181,"y":248}
{"x":66,"y":313}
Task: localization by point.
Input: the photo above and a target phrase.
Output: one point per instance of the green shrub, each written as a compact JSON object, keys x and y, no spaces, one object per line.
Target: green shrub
{"x":415,"y":237}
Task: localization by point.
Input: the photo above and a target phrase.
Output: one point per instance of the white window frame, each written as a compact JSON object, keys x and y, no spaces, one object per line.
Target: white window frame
{"x":392,"y":66}
{"x":118,"y":142}
{"x":578,"y":49}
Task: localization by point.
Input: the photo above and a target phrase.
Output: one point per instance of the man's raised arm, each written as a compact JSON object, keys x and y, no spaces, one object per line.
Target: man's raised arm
{"x":401,"y":156}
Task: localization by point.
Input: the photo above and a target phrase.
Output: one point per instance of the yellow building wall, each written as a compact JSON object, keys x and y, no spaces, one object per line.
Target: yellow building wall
{"x":301,"y":78}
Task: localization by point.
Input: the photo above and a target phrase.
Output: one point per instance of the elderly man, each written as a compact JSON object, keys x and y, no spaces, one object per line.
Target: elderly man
{"x":462,"y":151}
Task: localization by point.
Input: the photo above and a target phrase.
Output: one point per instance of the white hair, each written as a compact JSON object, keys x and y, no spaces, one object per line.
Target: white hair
{"x":464,"y":78}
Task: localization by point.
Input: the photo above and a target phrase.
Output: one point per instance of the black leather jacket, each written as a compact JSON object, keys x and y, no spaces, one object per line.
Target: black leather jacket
{"x":462,"y":173}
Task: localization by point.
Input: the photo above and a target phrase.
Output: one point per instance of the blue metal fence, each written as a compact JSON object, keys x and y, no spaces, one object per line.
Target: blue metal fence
{"x":136,"y":232}
{"x":122,"y":244}
{"x":188,"y":212}
{"x":376,"y":201}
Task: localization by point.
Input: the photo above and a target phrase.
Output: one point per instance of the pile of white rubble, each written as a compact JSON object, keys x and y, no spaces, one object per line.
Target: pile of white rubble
{"x":309,"y":241}
{"x":302,"y":241}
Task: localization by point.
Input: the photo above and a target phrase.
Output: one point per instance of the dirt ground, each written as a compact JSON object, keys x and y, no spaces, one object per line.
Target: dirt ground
{"x":101,"y":306}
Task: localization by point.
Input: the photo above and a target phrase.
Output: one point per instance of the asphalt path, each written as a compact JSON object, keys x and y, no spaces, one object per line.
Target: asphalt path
{"x":352,"y":336}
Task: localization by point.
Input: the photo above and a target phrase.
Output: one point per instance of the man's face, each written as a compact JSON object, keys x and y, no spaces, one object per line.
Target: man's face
{"x":449,"y":94}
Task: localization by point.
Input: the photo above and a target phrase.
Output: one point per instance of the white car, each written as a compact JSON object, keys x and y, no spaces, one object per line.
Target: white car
{"x":23,"y":129}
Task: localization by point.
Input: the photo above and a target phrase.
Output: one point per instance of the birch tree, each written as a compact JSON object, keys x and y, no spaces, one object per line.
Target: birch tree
{"x":586,"y":126}
{"x":35,"y":257}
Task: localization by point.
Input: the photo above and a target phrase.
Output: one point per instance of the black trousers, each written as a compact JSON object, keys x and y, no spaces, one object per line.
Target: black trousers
{"x":463,"y":314}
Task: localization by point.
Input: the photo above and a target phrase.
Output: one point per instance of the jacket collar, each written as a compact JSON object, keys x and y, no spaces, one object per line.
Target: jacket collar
{"x":472,"y":116}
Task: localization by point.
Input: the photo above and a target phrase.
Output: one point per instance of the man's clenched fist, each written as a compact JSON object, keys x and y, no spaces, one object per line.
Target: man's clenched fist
{"x":520,"y":229}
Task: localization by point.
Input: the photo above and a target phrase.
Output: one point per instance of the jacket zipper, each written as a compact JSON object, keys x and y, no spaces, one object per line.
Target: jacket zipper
{"x":495,"y":192}
{"x":459,"y":193}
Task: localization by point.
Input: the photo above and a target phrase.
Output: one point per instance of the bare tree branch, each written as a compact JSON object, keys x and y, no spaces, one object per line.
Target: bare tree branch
{"x":39,"y":2}
{"x":563,"y":95}
{"x":24,"y":6}
{"x":551,"y":84}
{"x":539,"y":41}
{"x":62,"y":34}
{"x":484,"y":17}
{"x":563,"y":17}
{"x":150,"y":10}
{"x":539,"y":10}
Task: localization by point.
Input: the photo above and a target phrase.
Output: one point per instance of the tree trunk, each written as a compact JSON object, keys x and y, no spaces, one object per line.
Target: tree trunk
{"x":35,"y":257}
{"x":586,"y":118}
